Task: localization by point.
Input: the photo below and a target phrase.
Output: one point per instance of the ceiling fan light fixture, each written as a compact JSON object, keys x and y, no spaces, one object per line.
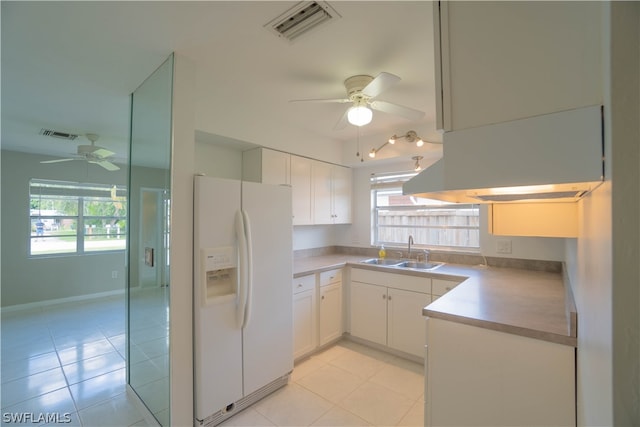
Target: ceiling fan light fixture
{"x":359,"y":115}
{"x":419,"y":142}
{"x":372,"y":153}
{"x":393,"y":139}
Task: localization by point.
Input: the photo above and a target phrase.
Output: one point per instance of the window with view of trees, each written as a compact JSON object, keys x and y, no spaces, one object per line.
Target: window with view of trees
{"x":76,"y":218}
{"x":432,"y":223}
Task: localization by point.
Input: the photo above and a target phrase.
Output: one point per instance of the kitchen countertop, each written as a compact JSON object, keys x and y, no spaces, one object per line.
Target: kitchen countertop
{"x":529,"y":303}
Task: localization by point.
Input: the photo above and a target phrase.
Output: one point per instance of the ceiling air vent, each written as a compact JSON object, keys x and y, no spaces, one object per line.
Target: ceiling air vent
{"x":301,"y":18}
{"x":56,"y":134}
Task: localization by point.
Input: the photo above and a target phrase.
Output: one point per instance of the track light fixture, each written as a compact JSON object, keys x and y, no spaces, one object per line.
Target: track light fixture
{"x":416,"y":166}
{"x":411,"y":137}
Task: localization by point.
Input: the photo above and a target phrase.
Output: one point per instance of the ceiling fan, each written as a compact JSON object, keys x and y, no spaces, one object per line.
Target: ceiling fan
{"x":92,"y":154}
{"x":361,"y":93}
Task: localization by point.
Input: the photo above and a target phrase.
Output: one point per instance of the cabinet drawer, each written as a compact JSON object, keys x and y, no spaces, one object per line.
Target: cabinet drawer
{"x":304,"y":283}
{"x":440,"y":287}
{"x":331,"y":276}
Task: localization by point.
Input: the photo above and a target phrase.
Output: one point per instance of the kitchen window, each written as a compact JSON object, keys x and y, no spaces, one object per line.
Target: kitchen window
{"x":76,"y":218}
{"x":432,"y":223}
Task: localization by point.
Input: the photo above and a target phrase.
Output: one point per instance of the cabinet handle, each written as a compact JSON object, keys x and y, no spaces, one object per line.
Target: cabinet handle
{"x":384,"y":296}
{"x":322,"y":297}
{"x":299,"y":285}
{"x":389,"y":297}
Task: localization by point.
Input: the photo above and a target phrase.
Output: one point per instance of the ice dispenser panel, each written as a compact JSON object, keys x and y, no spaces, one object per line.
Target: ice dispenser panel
{"x":219,"y":281}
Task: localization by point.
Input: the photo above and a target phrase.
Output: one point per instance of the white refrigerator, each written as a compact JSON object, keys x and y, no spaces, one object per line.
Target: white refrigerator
{"x":243,"y":312}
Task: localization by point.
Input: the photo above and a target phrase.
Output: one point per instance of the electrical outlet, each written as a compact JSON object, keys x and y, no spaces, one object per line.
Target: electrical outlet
{"x":114,"y":274}
{"x":503,"y":246}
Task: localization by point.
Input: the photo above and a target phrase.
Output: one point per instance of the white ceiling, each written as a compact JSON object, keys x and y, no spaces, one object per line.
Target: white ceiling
{"x":70,"y":66}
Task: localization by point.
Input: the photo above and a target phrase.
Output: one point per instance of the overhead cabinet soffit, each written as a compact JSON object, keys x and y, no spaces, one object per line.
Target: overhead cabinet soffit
{"x":552,"y":157}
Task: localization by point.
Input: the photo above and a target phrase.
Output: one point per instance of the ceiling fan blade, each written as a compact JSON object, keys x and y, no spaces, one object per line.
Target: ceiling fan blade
{"x":336,"y":100}
{"x":58,"y":160}
{"x":342,"y":122}
{"x":397,"y":110}
{"x":103,"y":152}
{"x":381,"y":83}
{"x":105,"y":164}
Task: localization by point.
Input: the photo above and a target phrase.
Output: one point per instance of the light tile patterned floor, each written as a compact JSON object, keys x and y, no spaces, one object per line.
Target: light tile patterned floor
{"x":69,"y":359}
{"x":346,"y":385}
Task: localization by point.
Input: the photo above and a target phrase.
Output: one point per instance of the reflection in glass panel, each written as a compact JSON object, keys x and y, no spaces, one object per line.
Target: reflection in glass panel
{"x":148,"y":225}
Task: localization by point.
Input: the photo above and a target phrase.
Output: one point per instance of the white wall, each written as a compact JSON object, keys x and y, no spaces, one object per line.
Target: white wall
{"x":218,"y":161}
{"x":181,"y":297}
{"x":359,"y":234}
{"x":33,"y":280}
{"x":603,"y":262}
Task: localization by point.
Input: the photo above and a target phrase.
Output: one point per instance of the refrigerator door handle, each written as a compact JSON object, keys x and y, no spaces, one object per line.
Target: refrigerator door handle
{"x":249,"y":268}
{"x":242,"y":269}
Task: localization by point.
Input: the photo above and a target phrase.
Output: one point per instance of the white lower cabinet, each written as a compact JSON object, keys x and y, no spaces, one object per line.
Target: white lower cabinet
{"x":369,"y":312}
{"x":330,"y":306}
{"x":304,"y":315}
{"x":406,"y":327}
{"x":477,"y":376}
{"x":317,"y":311}
{"x":386,"y":308}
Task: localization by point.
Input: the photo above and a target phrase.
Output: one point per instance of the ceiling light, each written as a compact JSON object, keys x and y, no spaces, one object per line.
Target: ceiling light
{"x":416,"y":166}
{"x":410,"y":137}
{"x":359,"y":115}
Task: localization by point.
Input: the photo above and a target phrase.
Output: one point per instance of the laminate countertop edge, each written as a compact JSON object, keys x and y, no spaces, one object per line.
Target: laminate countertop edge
{"x":528,"y":303}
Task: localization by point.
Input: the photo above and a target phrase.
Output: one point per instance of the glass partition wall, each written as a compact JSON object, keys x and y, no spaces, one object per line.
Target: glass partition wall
{"x":148,"y":250}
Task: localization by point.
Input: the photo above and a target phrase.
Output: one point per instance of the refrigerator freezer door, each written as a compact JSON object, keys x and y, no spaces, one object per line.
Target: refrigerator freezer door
{"x":217,"y":338}
{"x":268,"y":335}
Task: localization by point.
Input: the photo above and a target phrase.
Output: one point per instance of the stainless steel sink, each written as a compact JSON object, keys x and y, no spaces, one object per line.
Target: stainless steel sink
{"x":383,"y":261}
{"x":403,"y":263}
{"x":420,"y":265}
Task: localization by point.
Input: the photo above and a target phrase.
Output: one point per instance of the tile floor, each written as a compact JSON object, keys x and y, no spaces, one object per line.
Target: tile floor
{"x":346,"y":385}
{"x":67,"y":361}
{"x":70,"y":359}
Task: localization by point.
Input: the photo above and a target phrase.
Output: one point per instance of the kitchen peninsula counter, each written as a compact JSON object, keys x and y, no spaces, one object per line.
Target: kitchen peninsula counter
{"x":529,"y":303}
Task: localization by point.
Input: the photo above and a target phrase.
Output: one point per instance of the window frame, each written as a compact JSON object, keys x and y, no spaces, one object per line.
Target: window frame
{"x":81,"y":192}
{"x":392,"y":182}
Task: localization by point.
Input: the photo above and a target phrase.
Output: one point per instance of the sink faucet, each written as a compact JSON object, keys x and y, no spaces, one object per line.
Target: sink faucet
{"x":409,"y":246}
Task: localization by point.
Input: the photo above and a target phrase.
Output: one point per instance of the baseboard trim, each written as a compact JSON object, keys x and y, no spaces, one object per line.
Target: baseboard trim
{"x":46,"y":303}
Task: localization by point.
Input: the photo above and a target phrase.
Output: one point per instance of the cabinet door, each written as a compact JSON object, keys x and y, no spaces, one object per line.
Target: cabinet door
{"x":321,"y":181}
{"x":369,"y":312}
{"x":341,"y":195}
{"x":301,"y":190}
{"x":330,"y":312}
{"x":407,"y":327}
{"x":304,"y":323}
{"x":276,"y":167}
{"x":523,"y":63}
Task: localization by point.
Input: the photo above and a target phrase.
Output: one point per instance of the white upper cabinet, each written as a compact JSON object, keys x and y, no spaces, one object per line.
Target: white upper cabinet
{"x":266,"y":166}
{"x":276,"y":167}
{"x":502,"y":61}
{"x":331,"y":193}
{"x":341,"y":182}
{"x":301,"y":190}
{"x":321,"y":180}
{"x":320,"y":191}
